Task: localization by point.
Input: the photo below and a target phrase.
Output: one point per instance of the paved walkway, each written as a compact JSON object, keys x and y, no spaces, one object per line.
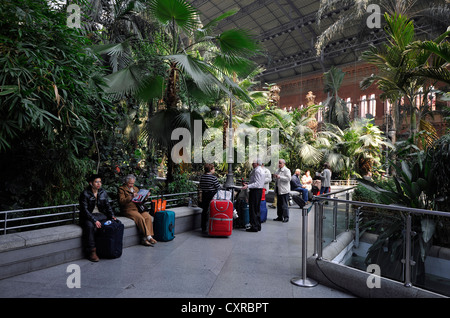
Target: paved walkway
{"x":244,"y":265}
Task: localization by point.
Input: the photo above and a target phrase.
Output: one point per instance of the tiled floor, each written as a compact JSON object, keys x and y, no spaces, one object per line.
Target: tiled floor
{"x":244,"y":265}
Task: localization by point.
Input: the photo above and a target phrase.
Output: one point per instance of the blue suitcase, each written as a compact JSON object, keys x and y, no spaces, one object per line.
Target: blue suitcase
{"x":109,"y":239}
{"x":164,"y":226}
{"x":263,"y":211}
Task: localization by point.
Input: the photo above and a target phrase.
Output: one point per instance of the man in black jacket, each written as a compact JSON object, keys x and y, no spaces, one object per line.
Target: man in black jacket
{"x":94,"y":209}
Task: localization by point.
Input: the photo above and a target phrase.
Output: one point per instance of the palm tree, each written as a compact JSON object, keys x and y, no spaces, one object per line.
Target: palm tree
{"x":337,"y":108}
{"x":436,"y":67}
{"x":195,"y":56}
{"x":401,"y":70}
{"x":357,"y":150}
{"x":356,"y":14}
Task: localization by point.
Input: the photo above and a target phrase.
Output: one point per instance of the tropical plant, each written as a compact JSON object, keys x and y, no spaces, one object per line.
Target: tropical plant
{"x":399,"y":68}
{"x":51,"y":105}
{"x":414,"y":185}
{"x":197,"y":60}
{"x":355,"y":13}
{"x":336,"y":110}
{"x":358,"y":149}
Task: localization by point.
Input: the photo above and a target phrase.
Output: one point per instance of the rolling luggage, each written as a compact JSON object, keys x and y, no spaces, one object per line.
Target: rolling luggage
{"x":299,"y":200}
{"x":109,"y":239}
{"x":263,"y":207}
{"x":220,"y":221}
{"x":243,"y":214}
{"x":263,"y":211}
{"x":164,"y":226}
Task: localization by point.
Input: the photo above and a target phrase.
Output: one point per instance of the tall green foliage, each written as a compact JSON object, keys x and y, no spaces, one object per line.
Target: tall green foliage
{"x":337,"y":110}
{"x":51,"y":103}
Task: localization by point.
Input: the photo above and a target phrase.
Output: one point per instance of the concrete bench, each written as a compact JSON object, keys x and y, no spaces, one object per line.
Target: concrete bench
{"x":28,"y":251}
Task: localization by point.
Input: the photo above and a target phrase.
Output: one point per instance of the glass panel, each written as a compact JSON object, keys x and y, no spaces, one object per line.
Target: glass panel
{"x":432,"y":241}
{"x":379,"y":241}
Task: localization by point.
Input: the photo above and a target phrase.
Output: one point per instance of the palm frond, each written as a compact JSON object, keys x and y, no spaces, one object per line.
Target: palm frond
{"x":238,"y":42}
{"x":125,"y":81}
{"x":181,"y":12}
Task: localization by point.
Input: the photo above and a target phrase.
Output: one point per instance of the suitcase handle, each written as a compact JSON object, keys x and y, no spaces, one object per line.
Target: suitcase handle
{"x":218,"y":196}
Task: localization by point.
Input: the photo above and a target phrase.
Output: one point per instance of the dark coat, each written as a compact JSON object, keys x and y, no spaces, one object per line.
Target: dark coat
{"x":87,"y":205}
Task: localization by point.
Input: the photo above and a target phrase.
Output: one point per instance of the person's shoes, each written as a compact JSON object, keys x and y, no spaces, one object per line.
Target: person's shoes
{"x":93,"y":257}
{"x":251,"y":230}
{"x":285,"y":220}
{"x":145,"y":242}
{"x":153,"y":241}
{"x":278,"y":219}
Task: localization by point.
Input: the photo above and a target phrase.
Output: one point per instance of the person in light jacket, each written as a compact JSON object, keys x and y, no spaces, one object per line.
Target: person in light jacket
{"x":326,"y":181}
{"x":283,"y":186}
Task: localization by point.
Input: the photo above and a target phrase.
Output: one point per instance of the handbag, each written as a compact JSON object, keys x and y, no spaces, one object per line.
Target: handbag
{"x":140,"y":206}
{"x":158,"y":205}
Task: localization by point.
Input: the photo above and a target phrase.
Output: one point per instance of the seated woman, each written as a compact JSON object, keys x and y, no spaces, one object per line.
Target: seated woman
{"x":129,"y":209}
{"x":307,"y":180}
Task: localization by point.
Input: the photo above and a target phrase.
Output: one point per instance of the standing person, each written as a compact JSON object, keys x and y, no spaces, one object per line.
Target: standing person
{"x":94,"y":209}
{"x":128,"y":208}
{"x":326,"y":181}
{"x":296,"y":185}
{"x":267,"y":177}
{"x":255,"y":186}
{"x":282,"y":180}
{"x":209,"y":185}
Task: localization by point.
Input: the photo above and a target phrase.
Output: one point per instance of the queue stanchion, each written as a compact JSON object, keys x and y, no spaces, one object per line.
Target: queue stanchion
{"x":304,"y":281}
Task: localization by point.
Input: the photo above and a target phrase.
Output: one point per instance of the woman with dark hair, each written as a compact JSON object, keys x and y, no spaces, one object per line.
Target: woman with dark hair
{"x":209,"y":185}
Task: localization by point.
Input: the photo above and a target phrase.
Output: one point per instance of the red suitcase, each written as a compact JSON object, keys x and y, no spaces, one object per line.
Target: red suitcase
{"x":220,"y":217}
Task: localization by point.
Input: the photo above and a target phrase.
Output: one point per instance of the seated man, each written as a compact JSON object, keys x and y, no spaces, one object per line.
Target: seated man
{"x":296,"y":185}
{"x":94,"y":209}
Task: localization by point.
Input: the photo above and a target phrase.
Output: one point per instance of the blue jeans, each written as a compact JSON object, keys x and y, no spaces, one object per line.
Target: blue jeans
{"x":304,"y":192}
{"x":324,"y":190}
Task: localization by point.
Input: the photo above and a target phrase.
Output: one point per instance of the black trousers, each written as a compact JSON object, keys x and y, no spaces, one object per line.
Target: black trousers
{"x":89,"y":230}
{"x":254,"y":208}
{"x":206,"y":200}
{"x":283,"y":205}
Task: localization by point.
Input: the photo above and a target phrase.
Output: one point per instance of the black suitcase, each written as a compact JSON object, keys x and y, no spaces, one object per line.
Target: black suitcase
{"x":109,"y":239}
{"x":298,"y":199}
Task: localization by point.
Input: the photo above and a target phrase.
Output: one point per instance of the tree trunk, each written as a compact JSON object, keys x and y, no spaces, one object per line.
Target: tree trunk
{"x":171,"y":97}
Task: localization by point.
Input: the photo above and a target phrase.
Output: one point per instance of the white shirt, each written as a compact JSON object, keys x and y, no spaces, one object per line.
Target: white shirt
{"x":268,"y":178}
{"x":257,"y":178}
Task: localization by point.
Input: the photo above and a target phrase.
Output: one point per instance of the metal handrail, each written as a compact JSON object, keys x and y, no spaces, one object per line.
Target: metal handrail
{"x":4,"y":220}
{"x":386,"y":206}
{"x":318,"y":202}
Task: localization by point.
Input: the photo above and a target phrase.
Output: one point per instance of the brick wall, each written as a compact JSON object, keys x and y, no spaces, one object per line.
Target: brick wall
{"x":293,"y":92}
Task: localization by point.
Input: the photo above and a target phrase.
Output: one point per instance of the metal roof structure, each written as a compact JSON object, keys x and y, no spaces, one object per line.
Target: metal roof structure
{"x":288,"y":29}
